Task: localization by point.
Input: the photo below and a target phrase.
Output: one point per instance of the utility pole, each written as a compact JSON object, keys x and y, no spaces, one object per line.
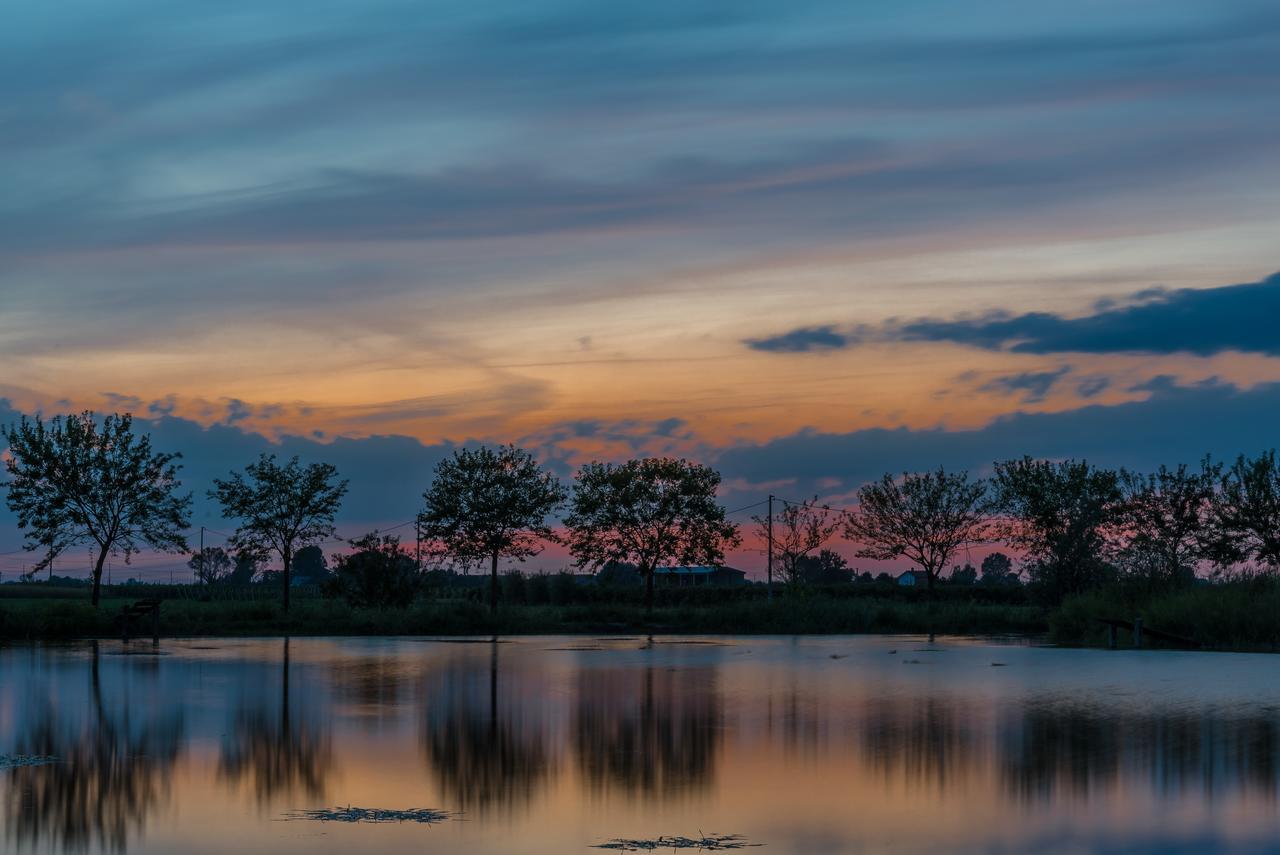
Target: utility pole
{"x":201,"y":565}
{"x":417,"y":541}
{"x":51,"y":561}
{"x":769,"y":564}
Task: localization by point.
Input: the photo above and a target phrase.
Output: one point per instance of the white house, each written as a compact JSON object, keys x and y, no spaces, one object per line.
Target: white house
{"x":913,"y":578}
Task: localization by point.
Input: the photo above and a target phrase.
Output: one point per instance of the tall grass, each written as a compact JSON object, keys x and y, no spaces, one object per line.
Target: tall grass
{"x":1243,"y":614}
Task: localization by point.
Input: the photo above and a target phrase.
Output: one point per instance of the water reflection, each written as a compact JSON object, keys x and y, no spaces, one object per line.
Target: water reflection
{"x":483,"y":738}
{"x":650,"y":731}
{"x":278,"y":754}
{"x":928,"y":740}
{"x":1056,"y":746}
{"x":374,"y":686}
{"x":115,"y":762}
{"x":806,"y":746}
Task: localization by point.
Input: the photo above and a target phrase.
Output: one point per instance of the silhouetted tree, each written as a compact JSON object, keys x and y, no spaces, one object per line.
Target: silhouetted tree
{"x":997,"y":569}
{"x":1059,"y":517}
{"x":377,"y":574}
{"x":280,"y":508}
{"x":310,"y":564}
{"x":618,"y":574}
{"x":825,"y":568}
{"x":1163,"y":522}
{"x":925,"y":517}
{"x":211,"y":564}
{"x":648,"y":512}
{"x":246,"y":569}
{"x":966,"y":575}
{"x":75,"y":480}
{"x":798,"y":530}
{"x":1246,"y":513}
{"x":487,"y":503}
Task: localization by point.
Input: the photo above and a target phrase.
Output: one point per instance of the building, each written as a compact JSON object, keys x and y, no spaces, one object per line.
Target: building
{"x":681,"y":576}
{"x":913,"y":579}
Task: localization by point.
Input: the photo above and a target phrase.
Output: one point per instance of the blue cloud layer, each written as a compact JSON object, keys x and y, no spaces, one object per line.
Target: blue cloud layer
{"x":1198,"y":321}
{"x":1174,"y":424}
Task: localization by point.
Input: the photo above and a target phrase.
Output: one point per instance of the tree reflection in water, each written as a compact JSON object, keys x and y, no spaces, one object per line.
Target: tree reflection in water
{"x":113,"y":770}
{"x":651,"y":732}
{"x":485,"y":747}
{"x":373,"y":685}
{"x":1052,"y":747}
{"x":1058,"y":745}
{"x":930,"y":740}
{"x":285,"y":754}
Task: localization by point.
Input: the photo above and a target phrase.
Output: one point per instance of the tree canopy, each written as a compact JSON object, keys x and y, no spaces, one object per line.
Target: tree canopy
{"x":799,"y":529}
{"x":309,"y":563}
{"x":648,"y":512}
{"x":1163,"y":523}
{"x":490,"y":503}
{"x":997,"y":569}
{"x":1246,"y":513}
{"x":924,"y":517}
{"x":1059,"y":515}
{"x":80,"y":479}
{"x":280,"y":508}
{"x":211,"y":564}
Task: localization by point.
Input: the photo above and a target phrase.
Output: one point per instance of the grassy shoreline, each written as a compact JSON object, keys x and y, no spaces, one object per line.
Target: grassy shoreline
{"x":1241,"y":616}
{"x":52,"y":618}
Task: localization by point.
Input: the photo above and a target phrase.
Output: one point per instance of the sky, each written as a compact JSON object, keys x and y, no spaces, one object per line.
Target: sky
{"x":805,"y":242}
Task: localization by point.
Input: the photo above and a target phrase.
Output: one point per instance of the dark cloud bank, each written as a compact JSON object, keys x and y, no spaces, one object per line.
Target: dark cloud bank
{"x":1197,"y":321}
{"x":1174,"y":424}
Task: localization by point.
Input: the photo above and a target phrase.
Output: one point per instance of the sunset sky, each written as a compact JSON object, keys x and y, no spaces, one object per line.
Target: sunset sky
{"x":806,"y":242}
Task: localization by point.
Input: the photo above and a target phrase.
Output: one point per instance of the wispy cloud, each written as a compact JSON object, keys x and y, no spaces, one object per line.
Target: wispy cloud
{"x":1031,"y":386}
{"x":802,"y":340}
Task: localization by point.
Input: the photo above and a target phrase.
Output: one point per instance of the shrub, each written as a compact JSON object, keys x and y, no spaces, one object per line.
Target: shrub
{"x":378,"y":574}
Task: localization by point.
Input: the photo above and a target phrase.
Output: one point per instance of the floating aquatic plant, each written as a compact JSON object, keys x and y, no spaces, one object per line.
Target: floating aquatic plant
{"x":427,"y":816}
{"x":702,"y":843}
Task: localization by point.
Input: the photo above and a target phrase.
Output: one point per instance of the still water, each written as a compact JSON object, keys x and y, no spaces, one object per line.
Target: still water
{"x":553,"y":745}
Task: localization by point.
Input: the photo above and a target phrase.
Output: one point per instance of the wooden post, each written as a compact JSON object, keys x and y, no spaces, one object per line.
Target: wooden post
{"x":155,"y":624}
{"x":1111,"y":636}
{"x":1137,"y":633}
{"x":124,"y":624}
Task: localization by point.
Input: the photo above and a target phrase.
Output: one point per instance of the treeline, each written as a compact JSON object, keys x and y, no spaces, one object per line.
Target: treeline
{"x":1076,"y":527}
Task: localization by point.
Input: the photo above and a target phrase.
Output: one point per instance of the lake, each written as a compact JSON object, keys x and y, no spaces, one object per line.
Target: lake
{"x":554,"y":745}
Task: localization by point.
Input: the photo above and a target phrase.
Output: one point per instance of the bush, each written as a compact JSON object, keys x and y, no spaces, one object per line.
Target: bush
{"x":538,"y":590}
{"x":379,"y":575}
